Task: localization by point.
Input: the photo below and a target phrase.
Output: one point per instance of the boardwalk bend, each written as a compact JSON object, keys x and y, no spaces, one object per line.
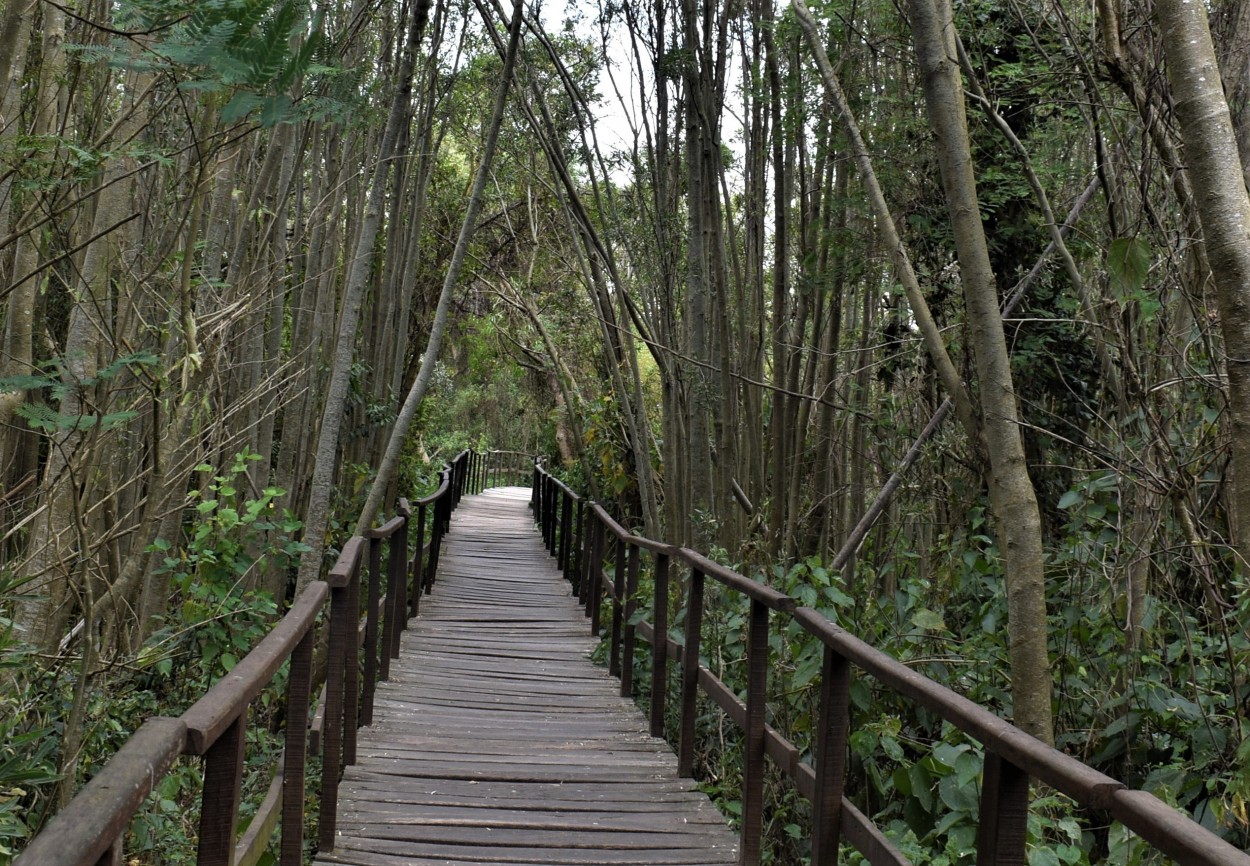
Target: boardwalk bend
{"x":460,"y":721}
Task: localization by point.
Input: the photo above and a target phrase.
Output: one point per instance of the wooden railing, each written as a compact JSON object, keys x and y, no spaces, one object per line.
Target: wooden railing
{"x":91,"y":829}
{"x":580,"y":534}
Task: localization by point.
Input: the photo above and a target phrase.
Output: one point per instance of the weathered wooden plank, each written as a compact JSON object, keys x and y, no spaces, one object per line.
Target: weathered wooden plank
{"x":497,"y":741}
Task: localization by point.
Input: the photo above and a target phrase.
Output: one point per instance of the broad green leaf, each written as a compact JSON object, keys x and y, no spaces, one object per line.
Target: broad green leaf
{"x":1072,"y":497}
{"x":1128,"y":264}
{"x":928,"y":620}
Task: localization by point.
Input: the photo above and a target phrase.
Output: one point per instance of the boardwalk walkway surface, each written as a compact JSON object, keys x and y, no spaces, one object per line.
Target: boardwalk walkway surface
{"x":497,"y":741}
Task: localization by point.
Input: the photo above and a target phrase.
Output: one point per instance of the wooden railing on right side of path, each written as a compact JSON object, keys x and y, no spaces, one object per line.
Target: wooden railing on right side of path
{"x":91,"y":829}
{"x":580,"y":535}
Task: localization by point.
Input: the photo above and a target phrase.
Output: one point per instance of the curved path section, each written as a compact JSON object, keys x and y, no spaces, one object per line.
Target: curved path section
{"x":497,"y":741}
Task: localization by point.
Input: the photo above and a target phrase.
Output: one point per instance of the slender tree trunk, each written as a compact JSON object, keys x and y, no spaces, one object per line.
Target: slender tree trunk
{"x":390,"y":460}
{"x":358,"y":274}
{"x":1214,"y":166}
{"x":1011,"y":490}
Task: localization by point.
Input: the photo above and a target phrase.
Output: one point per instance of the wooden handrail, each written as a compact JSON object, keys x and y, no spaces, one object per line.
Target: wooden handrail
{"x":1012,"y":756}
{"x":91,"y":829}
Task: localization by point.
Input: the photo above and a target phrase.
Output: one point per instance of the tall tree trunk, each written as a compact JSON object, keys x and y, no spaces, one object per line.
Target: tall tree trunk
{"x":1214,"y":167}
{"x":390,"y":460}
{"x":318,"y":512}
{"x":1011,"y":490}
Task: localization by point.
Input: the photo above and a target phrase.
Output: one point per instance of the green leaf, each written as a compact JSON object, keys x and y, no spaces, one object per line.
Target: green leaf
{"x":1128,"y":264}
{"x":960,"y":798}
{"x":240,"y":106}
{"x":26,"y":383}
{"x":1069,"y":499}
{"x":947,"y":754}
{"x":928,"y":620}
{"x":275,"y":109}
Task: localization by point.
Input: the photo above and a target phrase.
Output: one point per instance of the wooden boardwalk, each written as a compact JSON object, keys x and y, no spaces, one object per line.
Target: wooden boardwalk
{"x":497,"y":741}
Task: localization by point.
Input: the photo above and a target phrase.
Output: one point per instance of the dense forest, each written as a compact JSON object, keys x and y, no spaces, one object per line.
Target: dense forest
{"x":934,"y":316}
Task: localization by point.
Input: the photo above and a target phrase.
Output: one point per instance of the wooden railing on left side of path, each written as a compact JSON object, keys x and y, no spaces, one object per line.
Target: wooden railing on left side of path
{"x":91,"y":829}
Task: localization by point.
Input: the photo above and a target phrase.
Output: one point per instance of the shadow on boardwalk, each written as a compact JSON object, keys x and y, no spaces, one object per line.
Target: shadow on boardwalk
{"x":497,"y":741}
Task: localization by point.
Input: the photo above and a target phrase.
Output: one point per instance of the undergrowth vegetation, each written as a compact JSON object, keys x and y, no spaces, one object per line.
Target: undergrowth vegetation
{"x":230,"y":544}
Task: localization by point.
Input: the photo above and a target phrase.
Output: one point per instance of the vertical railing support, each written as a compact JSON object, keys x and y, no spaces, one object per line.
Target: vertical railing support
{"x":690,"y":674}
{"x":595,"y":592}
{"x":831,"y":742}
{"x":590,"y":534}
{"x":223,"y":788}
{"x":578,"y":556}
{"x":373,"y":597}
{"x":332,"y":747}
{"x":629,"y":638}
{"x":659,"y":657}
{"x":566,"y":530}
{"x":754,"y":757}
{"x":388,"y":621}
{"x":397,"y":606}
{"x":618,"y":608}
{"x":1004,"y":824}
{"x":351,"y":668}
{"x":550,"y":504}
{"x":295,"y":754}
{"x":418,"y":577}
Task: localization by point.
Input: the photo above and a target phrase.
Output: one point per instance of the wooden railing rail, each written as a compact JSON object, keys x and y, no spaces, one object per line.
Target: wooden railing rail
{"x":91,"y":829}
{"x":584,"y":538}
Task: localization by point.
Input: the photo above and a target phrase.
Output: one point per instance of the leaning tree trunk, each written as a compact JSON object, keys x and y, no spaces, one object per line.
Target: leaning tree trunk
{"x":318,"y":513}
{"x":1011,"y":490}
{"x":390,"y":460}
{"x":1223,"y":207}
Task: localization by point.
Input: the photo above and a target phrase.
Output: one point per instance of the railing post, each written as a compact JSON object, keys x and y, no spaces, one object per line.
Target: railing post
{"x":618,"y":608}
{"x":690,"y":674}
{"x":351,"y":668}
{"x":830,"y":758}
{"x":630,"y":634}
{"x":553,"y":514}
{"x":578,"y":553}
{"x":595,"y":592}
{"x":408,"y":577}
{"x":659,"y":656}
{"x":591,"y":531}
{"x":566,"y":531}
{"x":442,"y":517}
{"x":398,"y":602}
{"x":388,"y":622}
{"x":754,"y":757}
{"x":1003,"y":831}
{"x":418,"y":578}
{"x":549,"y":514}
{"x":372,"y":598}
{"x":332,"y":748}
{"x":223,"y":788}
{"x":295,"y":755}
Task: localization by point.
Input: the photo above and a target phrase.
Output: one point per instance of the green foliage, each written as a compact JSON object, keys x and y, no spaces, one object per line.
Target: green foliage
{"x":230,"y":539}
{"x":59,"y":383}
{"x":254,"y":51}
{"x":28,"y":744}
